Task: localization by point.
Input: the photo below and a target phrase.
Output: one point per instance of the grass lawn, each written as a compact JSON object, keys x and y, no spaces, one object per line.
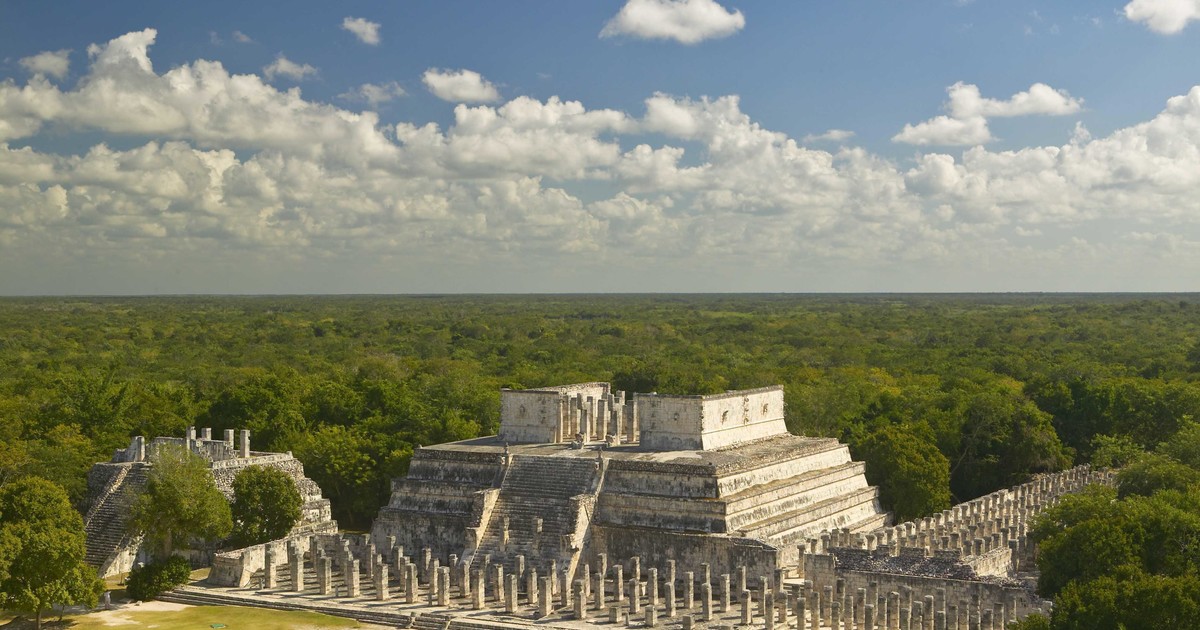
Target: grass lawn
{"x":199,"y":617}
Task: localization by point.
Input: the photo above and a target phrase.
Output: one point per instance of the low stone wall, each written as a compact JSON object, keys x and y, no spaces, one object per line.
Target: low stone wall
{"x":723,"y":554}
{"x":235,"y":568}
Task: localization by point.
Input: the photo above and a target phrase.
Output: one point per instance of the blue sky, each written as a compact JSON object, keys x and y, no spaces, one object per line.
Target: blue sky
{"x":647,"y":145}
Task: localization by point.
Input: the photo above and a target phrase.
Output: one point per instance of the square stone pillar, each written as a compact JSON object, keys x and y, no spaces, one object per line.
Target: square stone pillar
{"x":747,"y":610}
{"x":296,"y":570}
{"x":545,"y":599}
{"x":689,"y":591}
{"x":244,"y":450}
{"x":324,"y":575}
{"x":669,"y":598}
{"x":706,"y":601}
{"x":381,"y":583}
{"x":352,"y":589}
{"x":269,"y":568}
{"x":725,"y":595}
{"x":479,"y":594}
{"x":410,"y":583}
{"x":618,"y":583}
{"x":443,"y":597}
{"x":531,"y":587}
{"x":578,"y":603}
{"x":598,"y":590}
{"x":510,"y":594}
{"x":635,"y":596}
{"x":652,"y":587}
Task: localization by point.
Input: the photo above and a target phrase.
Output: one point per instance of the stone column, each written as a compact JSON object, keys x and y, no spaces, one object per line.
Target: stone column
{"x":499,"y":582}
{"x":352,"y":589}
{"x":598,"y":591}
{"x":369,"y":555}
{"x":324,"y":575}
{"x":652,"y":587}
{"x":725,"y":592}
{"x":869,"y":616}
{"x":432,"y":581}
{"x":669,"y":574}
{"x":939,"y":620}
{"x":269,"y":568}
{"x":689,"y":591}
{"x":635,"y":596}
{"x":618,"y":583}
{"x":835,"y":615}
{"x":545,"y":599}
{"x":635,"y":568}
{"x":531,"y":587}
{"x":706,"y":601}
{"x":705,"y":573}
{"x":443,"y":598}
{"x":244,"y":451}
{"x":296,"y":569}
{"x":381,"y":583}
{"x":669,"y":597}
{"x":410,"y":583}
{"x":479,"y":595}
{"x":893,"y":611}
{"x":747,"y":611}
{"x":510,"y":595}
{"x":579,"y":604}
{"x":651,"y":617}
{"x":741,"y":579}
{"x":768,"y":605}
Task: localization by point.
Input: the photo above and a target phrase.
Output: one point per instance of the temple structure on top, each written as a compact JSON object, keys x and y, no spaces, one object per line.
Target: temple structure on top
{"x":580,"y":472}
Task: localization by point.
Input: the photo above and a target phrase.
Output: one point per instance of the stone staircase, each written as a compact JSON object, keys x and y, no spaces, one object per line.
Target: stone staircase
{"x":536,"y":487}
{"x":105,"y":523}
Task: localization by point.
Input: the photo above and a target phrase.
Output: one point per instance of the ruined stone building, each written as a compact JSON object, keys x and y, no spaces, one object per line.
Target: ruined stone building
{"x":114,"y":485}
{"x":580,"y":470}
{"x":648,"y":510}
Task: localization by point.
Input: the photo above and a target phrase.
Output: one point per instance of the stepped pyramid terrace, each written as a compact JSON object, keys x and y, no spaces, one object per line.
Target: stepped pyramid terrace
{"x":580,"y":470}
{"x":591,"y":507}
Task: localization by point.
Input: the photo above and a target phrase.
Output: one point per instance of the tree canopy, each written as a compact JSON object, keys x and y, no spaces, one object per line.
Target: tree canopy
{"x":266,"y":505}
{"x":42,"y":550}
{"x":180,"y":503}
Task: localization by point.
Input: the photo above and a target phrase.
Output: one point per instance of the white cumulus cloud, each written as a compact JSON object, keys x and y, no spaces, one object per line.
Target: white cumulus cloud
{"x":968,"y":112}
{"x":374,"y":94}
{"x":49,"y":63}
{"x":460,"y":86}
{"x":831,"y":135}
{"x":198,"y":167}
{"x":284,"y":67}
{"x":685,"y":21}
{"x":1163,"y":16}
{"x":365,"y":30}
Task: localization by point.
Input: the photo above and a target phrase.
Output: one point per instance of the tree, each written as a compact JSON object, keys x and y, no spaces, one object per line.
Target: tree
{"x":1154,"y":472}
{"x":42,"y":549}
{"x":1114,"y":451}
{"x":912,"y":474}
{"x":180,"y":502}
{"x":266,"y":505}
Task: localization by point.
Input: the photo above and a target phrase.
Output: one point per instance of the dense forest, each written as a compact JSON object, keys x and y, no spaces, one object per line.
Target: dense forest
{"x":946,"y":397}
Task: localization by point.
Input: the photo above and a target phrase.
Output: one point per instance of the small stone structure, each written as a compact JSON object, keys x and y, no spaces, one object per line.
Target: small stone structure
{"x":114,"y":485}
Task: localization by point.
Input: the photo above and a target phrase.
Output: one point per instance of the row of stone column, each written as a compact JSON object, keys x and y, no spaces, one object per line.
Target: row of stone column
{"x":835,"y":608}
{"x":975,"y":527}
